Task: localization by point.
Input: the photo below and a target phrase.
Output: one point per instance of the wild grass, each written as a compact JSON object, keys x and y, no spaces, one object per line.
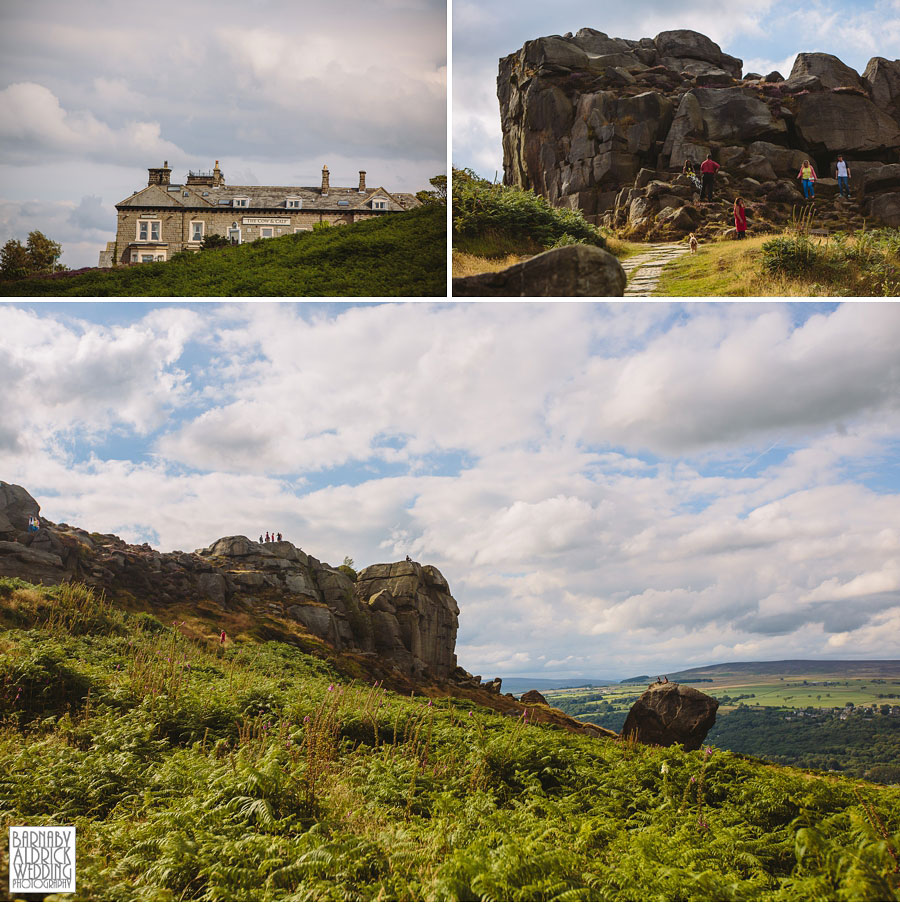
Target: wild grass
{"x":790,"y":264}
{"x":253,"y":772}
{"x":395,"y":255}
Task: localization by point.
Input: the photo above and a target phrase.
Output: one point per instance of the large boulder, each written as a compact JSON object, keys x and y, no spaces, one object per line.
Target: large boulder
{"x":683,"y":43}
{"x":737,"y":115}
{"x":883,"y":77}
{"x":671,"y":713}
{"x":16,"y":506}
{"x":576,"y":270}
{"x":828,"y":69}
{"x":419,"y":599}
{"x":840,"y":124}
{"x":886,"y":209}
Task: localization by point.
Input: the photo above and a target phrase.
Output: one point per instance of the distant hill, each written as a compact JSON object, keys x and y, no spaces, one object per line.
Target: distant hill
{"x":519,"y":685}
{"x":840,"y":668}
{"x":395,"y":255}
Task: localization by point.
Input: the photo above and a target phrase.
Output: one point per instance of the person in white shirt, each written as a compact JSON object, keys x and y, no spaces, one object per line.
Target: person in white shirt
{"x":842,"y":171}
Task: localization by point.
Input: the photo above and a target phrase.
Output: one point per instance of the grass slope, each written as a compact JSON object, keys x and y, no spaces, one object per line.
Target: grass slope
{"x":255,"y":771}
{"x":395,"y":255}
{"x":866,"y":263}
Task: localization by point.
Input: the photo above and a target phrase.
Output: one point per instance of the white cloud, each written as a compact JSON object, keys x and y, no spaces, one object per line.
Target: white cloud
{"x":33,"y":125}
{"x":492,"y":441}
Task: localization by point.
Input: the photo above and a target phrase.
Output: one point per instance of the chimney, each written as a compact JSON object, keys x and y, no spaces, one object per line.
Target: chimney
{"x":362,"y":181}
{"x":218,"y":177}
{"x":159,"y":176}
{"x":324,"y":180}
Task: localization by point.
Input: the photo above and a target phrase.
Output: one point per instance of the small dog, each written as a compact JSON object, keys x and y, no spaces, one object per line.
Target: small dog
{"x":693,"y":242}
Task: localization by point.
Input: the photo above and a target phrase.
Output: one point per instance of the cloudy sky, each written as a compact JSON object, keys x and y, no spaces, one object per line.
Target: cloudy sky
{"x":765,"y":34}
{"x":93,"y":93}
{"x":610,"y":489}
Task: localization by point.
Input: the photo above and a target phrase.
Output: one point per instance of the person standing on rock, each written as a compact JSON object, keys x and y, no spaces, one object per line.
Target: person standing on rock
{"x":740,"y":218}
{"x":807,"y":177}
{"x":691,"y":174}
{"x":267,"y":535}
{"x":708,"y":168}
{"x":842,"y":172}
{"x":279,"y":537}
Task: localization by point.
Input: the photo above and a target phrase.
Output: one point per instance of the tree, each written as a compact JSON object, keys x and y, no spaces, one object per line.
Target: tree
{"x":436,"y":196}
{"x":13,"y":260}
{"x":38,"y":256}
{"x":42,"y":253}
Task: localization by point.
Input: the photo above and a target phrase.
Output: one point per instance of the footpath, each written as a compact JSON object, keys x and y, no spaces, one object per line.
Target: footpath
{"x":643,"y":270}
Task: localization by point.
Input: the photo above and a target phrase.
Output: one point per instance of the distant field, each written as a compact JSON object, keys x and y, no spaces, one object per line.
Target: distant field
{"x":796,"y":721}
{"x":750,"y":690}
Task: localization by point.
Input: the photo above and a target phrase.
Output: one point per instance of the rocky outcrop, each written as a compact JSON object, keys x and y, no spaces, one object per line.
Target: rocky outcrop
{"x":668,"y":713}
{"x":533,"y":696}
{"x":402,"y":613}
{"x":577,"y":270}
{"x":584,"y":116}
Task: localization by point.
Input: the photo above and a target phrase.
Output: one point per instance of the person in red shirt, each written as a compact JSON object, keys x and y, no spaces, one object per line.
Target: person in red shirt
{"x":708,"y":168}
{"x":740,"y":218}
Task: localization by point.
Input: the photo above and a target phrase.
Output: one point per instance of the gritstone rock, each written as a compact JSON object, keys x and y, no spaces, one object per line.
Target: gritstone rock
{"x":577,"y":270}
{"x":589,"y":121}
{"x":671,"y":713}
{"x":404,"y":613}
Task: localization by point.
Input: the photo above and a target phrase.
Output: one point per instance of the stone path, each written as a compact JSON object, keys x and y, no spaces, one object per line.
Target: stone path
{"x":644,"y":269}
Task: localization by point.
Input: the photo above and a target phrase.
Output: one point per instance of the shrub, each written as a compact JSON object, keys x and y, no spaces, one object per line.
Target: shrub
{"x":481,"y":207}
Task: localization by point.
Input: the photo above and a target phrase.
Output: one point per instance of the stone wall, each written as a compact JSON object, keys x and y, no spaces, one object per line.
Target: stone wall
{"x":585,"y":116}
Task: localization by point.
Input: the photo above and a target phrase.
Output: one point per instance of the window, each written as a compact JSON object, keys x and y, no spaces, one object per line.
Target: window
{"x":148,"y":258}
{"x":379,"y":204}
{"x":266,"y":233}
{"x":148,"y":231}
{"x":241,"y":203}
{"x":293,"y":203}
{"x":343,"y":203}
{"x":197,"y":228}
{"x":302,"y":229}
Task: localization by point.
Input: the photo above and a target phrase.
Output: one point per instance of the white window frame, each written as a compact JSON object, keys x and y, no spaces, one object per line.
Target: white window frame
{"x":149,"y":226}
{"x":266,"y":233}
{"x":202,"y":226}
{"x":379,"y":204}
{"x":240,"y":202}
{"x":146,"y":259}
{"x":236,"y":230}
{"x":293,"y":203}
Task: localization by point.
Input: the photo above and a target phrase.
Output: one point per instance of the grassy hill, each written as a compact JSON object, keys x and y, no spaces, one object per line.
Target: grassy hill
{"x":260,"y":771}
{"x":395,"y":255}
{"x":797,"y":668}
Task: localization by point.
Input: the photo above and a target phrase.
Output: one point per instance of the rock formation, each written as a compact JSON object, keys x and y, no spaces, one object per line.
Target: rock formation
{"x":605,"y":125}
{"x":668,"y":713}
{"x":577,"y":270}
{"x":403,"y":613}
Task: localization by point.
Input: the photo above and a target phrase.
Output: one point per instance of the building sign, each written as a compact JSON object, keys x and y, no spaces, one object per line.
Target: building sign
{"x":268,"y":222}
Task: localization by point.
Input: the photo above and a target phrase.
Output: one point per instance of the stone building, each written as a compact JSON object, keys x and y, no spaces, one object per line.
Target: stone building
{"x":165,"y":217}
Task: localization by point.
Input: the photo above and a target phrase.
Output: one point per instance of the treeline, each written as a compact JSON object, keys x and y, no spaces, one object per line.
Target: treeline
{"x":38,"y":256}
{"x":867,"y":747}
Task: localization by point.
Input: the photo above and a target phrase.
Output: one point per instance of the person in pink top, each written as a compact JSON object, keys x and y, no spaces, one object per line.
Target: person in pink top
{"x":807,"y":177}
{"x":740,"y":218}
{"x":708,"y":168}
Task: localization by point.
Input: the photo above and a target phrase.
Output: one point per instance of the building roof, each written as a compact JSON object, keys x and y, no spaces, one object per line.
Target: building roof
{"x":312,"y":198}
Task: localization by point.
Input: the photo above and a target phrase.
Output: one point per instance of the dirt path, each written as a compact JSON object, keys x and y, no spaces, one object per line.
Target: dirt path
{"x":644,"y":269}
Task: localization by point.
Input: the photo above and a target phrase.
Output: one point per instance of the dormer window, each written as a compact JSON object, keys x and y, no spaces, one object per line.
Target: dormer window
{"x":293,"y":203}
{"x":241,"y":202}
{"x":379,"y":204}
